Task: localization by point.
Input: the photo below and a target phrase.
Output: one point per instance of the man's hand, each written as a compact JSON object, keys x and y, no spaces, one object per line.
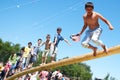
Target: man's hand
{"x":111,"y":28}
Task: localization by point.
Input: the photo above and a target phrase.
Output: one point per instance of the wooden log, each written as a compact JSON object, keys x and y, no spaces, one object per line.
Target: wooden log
{"x":77,"y":59}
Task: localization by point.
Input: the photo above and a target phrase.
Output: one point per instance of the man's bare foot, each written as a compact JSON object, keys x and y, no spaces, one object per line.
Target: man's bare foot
{"x":95,"y":51}
{"x":42,"y":64}
{"x":105,"y":49}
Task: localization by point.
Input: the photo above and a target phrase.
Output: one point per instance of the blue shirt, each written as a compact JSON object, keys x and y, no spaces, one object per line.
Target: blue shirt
{"x":59,"y":38}
{"x":36,"y":48}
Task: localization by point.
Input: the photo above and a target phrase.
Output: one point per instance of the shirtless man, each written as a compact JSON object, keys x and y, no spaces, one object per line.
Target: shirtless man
{"x":45,"y":53}
{"x":91,"y":21}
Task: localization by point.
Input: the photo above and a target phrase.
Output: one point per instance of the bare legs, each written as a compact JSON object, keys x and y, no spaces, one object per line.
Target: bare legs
{"x":104,"y":48}
{"x":95,"y":49}
{"x":52,"y":59}
{"x":44,"y":60}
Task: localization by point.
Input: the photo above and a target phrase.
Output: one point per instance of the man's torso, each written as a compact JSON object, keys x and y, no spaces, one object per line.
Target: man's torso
{"x":92,"y":21}
{"x":27,"y":51}
{"x":47,"y":45}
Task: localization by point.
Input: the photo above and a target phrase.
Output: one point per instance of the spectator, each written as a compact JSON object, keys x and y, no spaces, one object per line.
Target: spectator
{"x":35,"y":50}
{"x":26,"y":55}
{"x":43,"y":75}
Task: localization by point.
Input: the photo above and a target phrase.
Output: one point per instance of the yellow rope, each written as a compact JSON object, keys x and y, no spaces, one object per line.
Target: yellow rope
{"x":85,"y":57}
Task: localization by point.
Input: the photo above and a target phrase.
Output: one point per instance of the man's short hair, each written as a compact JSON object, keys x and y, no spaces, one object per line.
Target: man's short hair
{"x":89,"y":4}
{"x":48,"y":35}
{"x":59,"y":29}
{"x":39,"y":39}
{"x":29,"y":43}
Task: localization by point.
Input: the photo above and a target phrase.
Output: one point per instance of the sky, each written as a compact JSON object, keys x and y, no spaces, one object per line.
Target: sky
{"x":22,"y":21}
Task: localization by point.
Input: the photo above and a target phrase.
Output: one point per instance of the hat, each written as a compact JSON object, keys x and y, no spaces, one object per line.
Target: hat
{"x":75,"y":38}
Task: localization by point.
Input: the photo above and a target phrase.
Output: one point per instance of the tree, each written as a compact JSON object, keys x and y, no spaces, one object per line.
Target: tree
{"x":77,"y":70}
{"x":6,"y":49}
{"x":108,"y":77}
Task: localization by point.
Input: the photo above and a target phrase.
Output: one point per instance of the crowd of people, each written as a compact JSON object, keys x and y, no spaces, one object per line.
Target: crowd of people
{"x":44,"y":75}
{"x":39,"y":75}
{"x":29,"y":55}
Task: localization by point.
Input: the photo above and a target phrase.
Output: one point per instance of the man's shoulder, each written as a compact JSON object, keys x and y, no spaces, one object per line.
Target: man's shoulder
{"x":58,"y":35}
{"x":96,"y":13}
{"x":26,"y":47}
{"x":50,"y":42}
{"x":55,"y":35}
{"x":85,"y":15}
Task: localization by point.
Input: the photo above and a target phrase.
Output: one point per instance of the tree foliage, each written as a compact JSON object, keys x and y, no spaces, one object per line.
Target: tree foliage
{"x":77,"y":70}
{"x":108,"y":77}
{"x":6,"y":49}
